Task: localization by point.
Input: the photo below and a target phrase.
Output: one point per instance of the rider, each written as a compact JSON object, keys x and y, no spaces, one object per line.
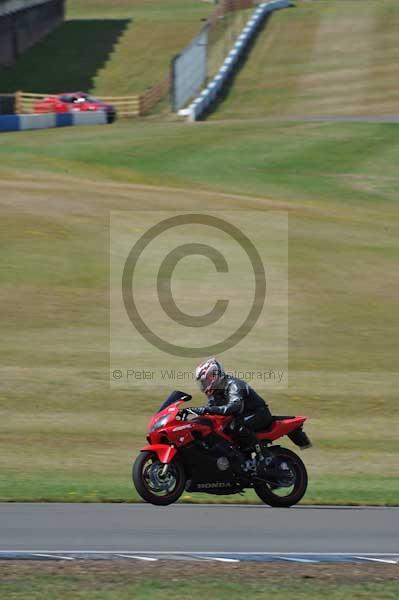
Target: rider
{"x":229,"y":395}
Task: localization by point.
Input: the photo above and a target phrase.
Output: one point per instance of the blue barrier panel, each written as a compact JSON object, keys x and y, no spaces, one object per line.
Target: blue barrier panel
{"x":9,"y":123}
{"x":63,"y":119}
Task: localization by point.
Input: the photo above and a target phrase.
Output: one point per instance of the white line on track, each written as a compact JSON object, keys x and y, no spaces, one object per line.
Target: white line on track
{"x":383,"y":560}
{"x":293,"y":559}
{"x":219,"y":559}
{"x":137,"y":557}
{"x":202,"y":552}
{"x":51,"y":556}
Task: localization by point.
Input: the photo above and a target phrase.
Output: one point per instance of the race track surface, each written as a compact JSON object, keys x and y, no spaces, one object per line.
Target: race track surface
{"x":136,"y":528}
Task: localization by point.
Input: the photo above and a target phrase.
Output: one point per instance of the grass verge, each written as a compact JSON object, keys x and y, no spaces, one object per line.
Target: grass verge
{"x":60,"y":422}
{"x":110,"y":487}
{"x":127,"y":579}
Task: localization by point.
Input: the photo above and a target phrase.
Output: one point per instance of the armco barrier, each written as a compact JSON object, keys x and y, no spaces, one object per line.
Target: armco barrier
{"x":49,"y":120}
{"x":32,"y":122}
{"x":215,"y":87}
{"x":85,"y":118}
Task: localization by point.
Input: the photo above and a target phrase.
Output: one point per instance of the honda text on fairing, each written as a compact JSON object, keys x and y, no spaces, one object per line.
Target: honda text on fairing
{"x":192,"y":453}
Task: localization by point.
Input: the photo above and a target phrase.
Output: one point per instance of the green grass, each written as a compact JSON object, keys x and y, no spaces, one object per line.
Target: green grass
{"x":84,"y":585}
{"x":352,"y":165}
{"x":108,"y":48}
{"x":321,"y":58}
{"x":64,"y":433}
{"x":71,"y":484}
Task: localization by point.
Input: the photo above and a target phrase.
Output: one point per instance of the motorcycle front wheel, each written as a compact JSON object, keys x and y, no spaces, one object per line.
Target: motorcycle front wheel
{"x":156,"y":482}
{"x":294,"y":481}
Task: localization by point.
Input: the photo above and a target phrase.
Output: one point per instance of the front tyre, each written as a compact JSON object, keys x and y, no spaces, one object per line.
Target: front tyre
{"x":291,"y":489}
{"x":154,"y":482}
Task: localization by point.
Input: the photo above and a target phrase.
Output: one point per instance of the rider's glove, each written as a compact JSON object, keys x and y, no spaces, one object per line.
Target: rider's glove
{"x":200,"y":410}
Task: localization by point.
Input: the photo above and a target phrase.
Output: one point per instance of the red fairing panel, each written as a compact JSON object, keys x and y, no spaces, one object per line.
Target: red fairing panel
{"x":164,"y":452}
{"x":280,"y":428}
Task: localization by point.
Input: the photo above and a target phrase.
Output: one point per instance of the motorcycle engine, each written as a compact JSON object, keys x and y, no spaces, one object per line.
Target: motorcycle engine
{"x":223,"y":463}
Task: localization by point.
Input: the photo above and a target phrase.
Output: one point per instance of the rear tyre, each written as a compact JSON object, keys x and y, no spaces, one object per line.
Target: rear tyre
{"x":285,"y":495}
{"x":153,"y":484}
{"x":111,"y":116}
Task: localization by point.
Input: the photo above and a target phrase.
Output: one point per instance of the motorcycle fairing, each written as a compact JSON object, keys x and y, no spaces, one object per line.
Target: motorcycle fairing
{"x":175,"y":396}
{"x":200,"y":461}
{"x":164,"y":452}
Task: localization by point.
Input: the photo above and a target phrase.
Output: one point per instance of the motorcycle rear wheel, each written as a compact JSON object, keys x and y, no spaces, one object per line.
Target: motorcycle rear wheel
{"x":268,"y":493}
{"x":152,"y":485}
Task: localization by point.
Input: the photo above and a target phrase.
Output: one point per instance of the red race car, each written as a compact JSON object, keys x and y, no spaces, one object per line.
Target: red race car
{"x":74,"y":102}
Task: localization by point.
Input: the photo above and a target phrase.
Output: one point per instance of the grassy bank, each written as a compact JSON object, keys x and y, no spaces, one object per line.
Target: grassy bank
{"x":321,"y":58}
{"x":119,"y":48}
{"x":64,"y":433}
{"x":179,"y":580}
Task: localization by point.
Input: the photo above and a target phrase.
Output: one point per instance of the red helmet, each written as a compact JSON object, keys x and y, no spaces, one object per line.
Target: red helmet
{"x":210,"y":376}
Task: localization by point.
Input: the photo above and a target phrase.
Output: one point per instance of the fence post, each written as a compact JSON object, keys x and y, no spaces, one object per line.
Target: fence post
{"x":18,"y":102}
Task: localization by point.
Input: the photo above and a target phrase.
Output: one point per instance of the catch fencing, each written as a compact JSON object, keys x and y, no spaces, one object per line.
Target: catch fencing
{"x":189,"y":70}
{"x":190,"y":67}
{"x":209,"y":95}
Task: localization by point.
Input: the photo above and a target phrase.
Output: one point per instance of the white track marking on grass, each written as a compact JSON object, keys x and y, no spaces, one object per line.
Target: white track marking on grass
{"x":52,"y":556}
{"x":137,"y":557}
{"x":383,"y":560}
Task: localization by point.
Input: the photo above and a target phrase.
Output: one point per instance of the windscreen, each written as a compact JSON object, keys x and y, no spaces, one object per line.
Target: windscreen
{"x":175,"y":397}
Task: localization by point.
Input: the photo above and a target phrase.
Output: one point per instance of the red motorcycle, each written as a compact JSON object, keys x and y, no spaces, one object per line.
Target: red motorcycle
{"x":197,"y":454}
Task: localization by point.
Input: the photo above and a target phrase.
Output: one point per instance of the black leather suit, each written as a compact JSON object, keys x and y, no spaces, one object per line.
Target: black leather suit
{"x":250,"y":411}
